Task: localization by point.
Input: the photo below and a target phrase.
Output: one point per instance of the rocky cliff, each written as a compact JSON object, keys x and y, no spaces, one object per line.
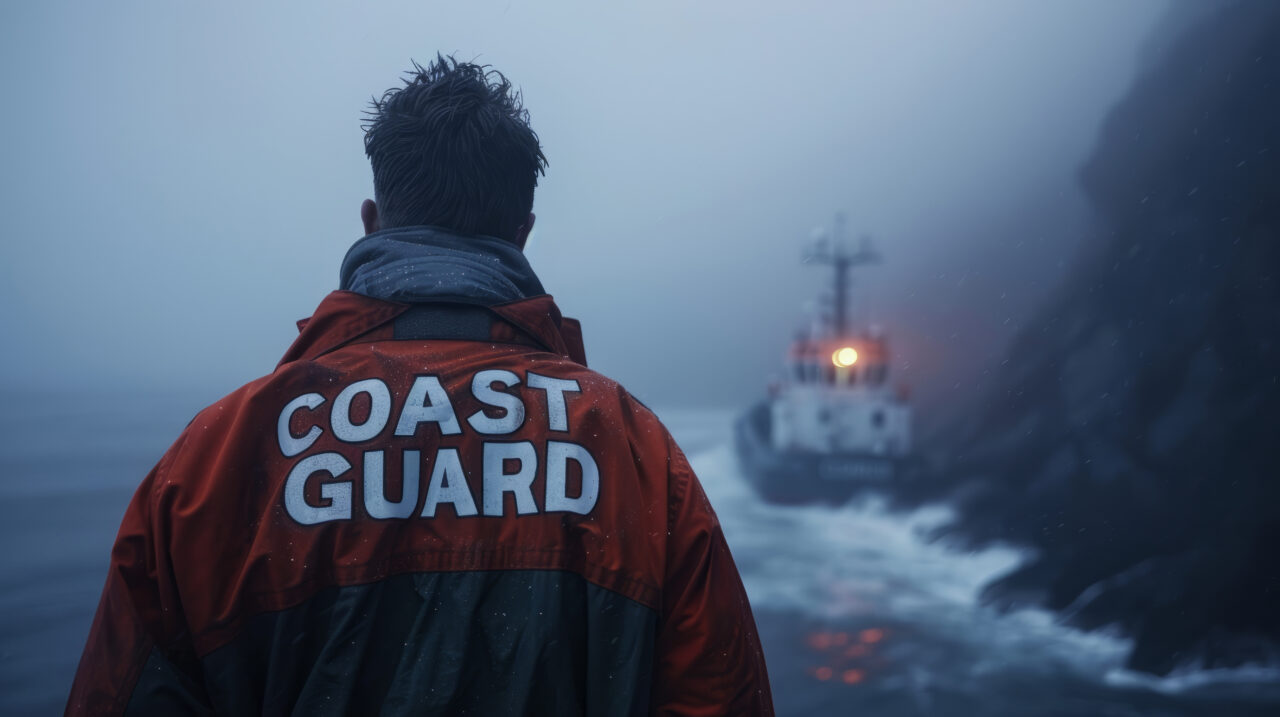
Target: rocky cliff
{"x":1133,"y":439}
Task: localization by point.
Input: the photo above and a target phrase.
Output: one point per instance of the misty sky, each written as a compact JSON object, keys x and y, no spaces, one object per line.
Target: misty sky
{"x":181,"y":180}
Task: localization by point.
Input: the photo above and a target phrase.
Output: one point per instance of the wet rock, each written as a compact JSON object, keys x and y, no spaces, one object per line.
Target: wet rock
{"x":1134,"y":438}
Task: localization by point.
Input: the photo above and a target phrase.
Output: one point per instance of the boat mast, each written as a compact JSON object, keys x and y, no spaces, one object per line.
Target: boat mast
{"x":842,"y":260}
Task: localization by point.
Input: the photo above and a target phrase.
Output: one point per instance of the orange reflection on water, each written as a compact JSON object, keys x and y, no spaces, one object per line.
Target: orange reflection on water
{"x":819,"y":640}
{"x":871,"y":635}
{"x":857,"y":651}
{"x":846,"y":654}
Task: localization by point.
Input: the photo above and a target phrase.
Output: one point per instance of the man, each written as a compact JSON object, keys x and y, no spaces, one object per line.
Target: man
{"x":431,"y":506}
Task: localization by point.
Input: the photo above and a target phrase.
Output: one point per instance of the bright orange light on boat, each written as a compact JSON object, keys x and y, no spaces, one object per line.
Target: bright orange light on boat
{"x":844,"y":357}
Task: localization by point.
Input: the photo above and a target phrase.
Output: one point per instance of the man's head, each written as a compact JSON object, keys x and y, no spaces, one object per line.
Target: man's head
{"x":453,"y":148}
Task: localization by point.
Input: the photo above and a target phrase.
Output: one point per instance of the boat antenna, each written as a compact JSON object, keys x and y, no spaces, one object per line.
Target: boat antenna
{"x":842,"y":259}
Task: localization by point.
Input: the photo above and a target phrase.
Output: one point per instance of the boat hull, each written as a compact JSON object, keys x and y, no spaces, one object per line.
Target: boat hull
{"x":802,"y":476}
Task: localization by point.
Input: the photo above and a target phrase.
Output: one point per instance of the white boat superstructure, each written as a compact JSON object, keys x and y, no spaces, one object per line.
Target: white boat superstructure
{"x":838,"y":399}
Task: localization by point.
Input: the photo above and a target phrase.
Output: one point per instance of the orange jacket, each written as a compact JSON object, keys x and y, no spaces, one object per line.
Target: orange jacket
{"x":425,"y":509}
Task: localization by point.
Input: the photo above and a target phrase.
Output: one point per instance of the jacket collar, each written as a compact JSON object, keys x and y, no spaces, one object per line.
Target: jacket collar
{"x":424,"y":263}
{"x":386,"y":272}
{"x":345,"y":316}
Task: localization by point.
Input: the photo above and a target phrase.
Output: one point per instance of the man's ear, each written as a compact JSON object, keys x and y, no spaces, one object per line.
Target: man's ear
{"x":369,"y":216}
{"x":522,"y":234}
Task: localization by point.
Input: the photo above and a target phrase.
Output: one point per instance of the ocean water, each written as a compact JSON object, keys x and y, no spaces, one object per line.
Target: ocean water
{"x":69,"y":464}
{"x":860,"y":613}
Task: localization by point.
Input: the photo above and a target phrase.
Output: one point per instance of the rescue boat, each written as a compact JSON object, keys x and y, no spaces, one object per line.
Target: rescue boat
{"x":833,"y":424}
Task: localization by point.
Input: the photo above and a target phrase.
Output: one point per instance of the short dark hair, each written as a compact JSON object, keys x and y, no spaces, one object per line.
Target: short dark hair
{"x":453,"y":148}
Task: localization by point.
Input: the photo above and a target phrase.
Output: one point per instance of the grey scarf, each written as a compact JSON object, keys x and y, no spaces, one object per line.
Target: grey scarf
{"x":425,"y":263}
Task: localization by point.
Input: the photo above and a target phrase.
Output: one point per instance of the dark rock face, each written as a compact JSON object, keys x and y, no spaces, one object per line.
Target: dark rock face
{"x":1134,"y":440}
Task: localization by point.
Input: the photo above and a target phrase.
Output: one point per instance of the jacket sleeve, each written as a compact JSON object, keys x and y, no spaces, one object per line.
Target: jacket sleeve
{"x":134,"y":661}
{"x":708,"y":658}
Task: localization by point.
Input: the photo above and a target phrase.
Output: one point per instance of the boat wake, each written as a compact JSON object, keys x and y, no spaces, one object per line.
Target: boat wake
{"x":860,"y":573}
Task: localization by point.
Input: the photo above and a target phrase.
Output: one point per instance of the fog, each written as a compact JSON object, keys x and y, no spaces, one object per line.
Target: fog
{"x":180,"y":182}
{"x":1075,"y":202}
